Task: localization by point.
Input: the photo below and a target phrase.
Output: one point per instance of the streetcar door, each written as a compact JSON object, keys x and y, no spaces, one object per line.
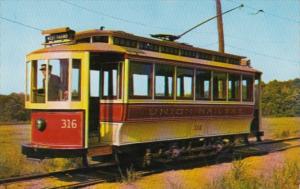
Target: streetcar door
{"x":94,"y":105}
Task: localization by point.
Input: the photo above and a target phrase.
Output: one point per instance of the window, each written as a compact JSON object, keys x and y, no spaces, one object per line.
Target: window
{"x":234,"y":61}
{"x":204,"y":56}
{"x":125,"y":42}
{"x":58,"y":77}
{"x":37,"y":76}
{"x":94,"y":83}
{"x":76,"y":78}
{"x":140,"y":79}
{"x":185,"y":83}
{"x":164,"y":75}
{"x":247,"y":88}
{"x":219,"y":87}
{"x":203,"y":84}
{"x":220,"y":58}
{"x":84,"y":40}
{"x":188,"y":53}
{"x":102,"y":39}
{"x":169,"y":50}
{"x":149,"y":46}
{"x":234,"y":87}
{"x":110,"y":82}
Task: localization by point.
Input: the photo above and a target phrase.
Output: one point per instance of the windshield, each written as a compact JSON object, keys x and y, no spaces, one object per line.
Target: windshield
{"x":49,"y":80}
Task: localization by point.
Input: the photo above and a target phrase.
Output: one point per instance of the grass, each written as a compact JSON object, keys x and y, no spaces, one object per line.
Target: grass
{"x":281,"y":127}
{"x":286,"y":176}
{"x":13,"y":163}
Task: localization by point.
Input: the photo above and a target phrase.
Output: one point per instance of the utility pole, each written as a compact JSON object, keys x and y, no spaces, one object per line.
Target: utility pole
{"x":220,"y":26}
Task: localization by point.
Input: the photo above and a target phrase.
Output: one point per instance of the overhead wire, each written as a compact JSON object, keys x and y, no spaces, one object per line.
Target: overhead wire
{"x":267,"y":13}
{"x":20,"y":23}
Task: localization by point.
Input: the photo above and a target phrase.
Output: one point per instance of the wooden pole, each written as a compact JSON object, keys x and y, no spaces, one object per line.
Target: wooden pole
{"x":220,"y":26}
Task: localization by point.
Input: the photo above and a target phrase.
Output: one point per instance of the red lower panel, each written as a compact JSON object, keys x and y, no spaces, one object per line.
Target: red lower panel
{"x":112,"y":112}
{"x":63,"y":129}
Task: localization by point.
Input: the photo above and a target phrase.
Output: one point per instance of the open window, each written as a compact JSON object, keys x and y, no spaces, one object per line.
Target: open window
{"x":234,"y":87}
{"x":185,"y":83}
{"x":110,"y":73}
{"x":203,"y":84}
{"x":140,"y":80}
{"x":164,"y":79}
{"x":219,"y":87}
{"x":247,"y":87}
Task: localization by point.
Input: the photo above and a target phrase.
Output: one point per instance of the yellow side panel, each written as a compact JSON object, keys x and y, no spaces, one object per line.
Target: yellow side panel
{"x":139,"y":132}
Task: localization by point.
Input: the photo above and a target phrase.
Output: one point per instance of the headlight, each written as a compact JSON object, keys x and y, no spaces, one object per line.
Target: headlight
{"x":40,"y":124}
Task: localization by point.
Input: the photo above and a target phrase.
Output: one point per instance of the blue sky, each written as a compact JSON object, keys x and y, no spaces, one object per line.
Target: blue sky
{"x":270,"y":39}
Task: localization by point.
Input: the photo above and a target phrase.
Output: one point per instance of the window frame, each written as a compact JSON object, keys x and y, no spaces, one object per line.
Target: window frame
{"x":192,"y":87}
{"x":172,"y":85}
{"x":150,"y":81}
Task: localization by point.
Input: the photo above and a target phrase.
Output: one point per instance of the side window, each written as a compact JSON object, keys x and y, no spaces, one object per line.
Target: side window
{"x":164,"y":79}
{"x":76,"y":78}
{"x":234,"y":87}
{"x":185,"y":83}
{"x":203,"y":84}
{"x":140,"y":80}
{"x":219,"y":85}
{"x":247,"y":88}
{"x":110,"y":81}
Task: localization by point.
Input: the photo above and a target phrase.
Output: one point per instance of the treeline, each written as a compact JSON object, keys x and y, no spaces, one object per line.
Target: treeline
{"x":281,"y":98}
{"x":12,"y":108}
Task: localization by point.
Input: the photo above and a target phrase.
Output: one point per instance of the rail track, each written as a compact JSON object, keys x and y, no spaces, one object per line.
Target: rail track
{"x":110,"y":172}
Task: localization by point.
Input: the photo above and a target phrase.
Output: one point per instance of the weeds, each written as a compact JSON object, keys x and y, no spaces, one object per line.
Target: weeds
{"x":286,"y":176}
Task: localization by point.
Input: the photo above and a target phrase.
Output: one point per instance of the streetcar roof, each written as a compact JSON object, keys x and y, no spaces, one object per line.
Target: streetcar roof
{"x":134,"y":52}
{"x":95,"y":32}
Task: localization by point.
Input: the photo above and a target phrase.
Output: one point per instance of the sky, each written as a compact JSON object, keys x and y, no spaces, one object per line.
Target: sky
{"x":270,"y":39}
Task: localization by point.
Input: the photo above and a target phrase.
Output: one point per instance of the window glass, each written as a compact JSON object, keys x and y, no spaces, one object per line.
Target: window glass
{"x":38,"y":75}
{"x":76,"y":78}
{"x":140,"y":80}
{"x":28,"y":80}
{"x":110,"y":82}
{"x":203,"y":84}
{"x":219,"y":86}
{"x":234,"y":87}
{"x":58,"y":77}
{"x":247,"y":88}
{"x":94,"y":83}
{"x":185,"y":83}
{"x":164,"y":81}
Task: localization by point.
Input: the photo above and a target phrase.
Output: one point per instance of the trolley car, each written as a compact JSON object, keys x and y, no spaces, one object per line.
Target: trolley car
{"x":121,"y":93}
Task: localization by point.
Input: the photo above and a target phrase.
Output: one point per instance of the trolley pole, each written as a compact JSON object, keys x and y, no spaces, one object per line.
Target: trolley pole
{"x":220,"y":26}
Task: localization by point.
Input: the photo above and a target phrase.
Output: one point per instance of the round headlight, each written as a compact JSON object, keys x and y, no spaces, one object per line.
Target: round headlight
{"x":40,"y":124}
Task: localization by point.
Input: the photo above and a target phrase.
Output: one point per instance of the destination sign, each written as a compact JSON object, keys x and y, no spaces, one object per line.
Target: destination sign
{"x":60,"y":36}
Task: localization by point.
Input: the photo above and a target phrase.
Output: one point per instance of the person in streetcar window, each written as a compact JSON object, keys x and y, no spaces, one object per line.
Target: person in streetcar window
{"x":54,"y":85}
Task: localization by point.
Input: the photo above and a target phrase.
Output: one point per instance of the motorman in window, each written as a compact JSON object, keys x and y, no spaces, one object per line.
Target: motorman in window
{"x":55,"y":86}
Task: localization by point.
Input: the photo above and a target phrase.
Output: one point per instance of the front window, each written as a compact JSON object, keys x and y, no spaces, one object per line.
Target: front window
{"x":37,"y":79}
{"x":49,"y":80}
{"x":58,"y":79}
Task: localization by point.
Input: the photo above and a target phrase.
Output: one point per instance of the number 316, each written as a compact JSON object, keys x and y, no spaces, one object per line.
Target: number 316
{"x":69,"y":123}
